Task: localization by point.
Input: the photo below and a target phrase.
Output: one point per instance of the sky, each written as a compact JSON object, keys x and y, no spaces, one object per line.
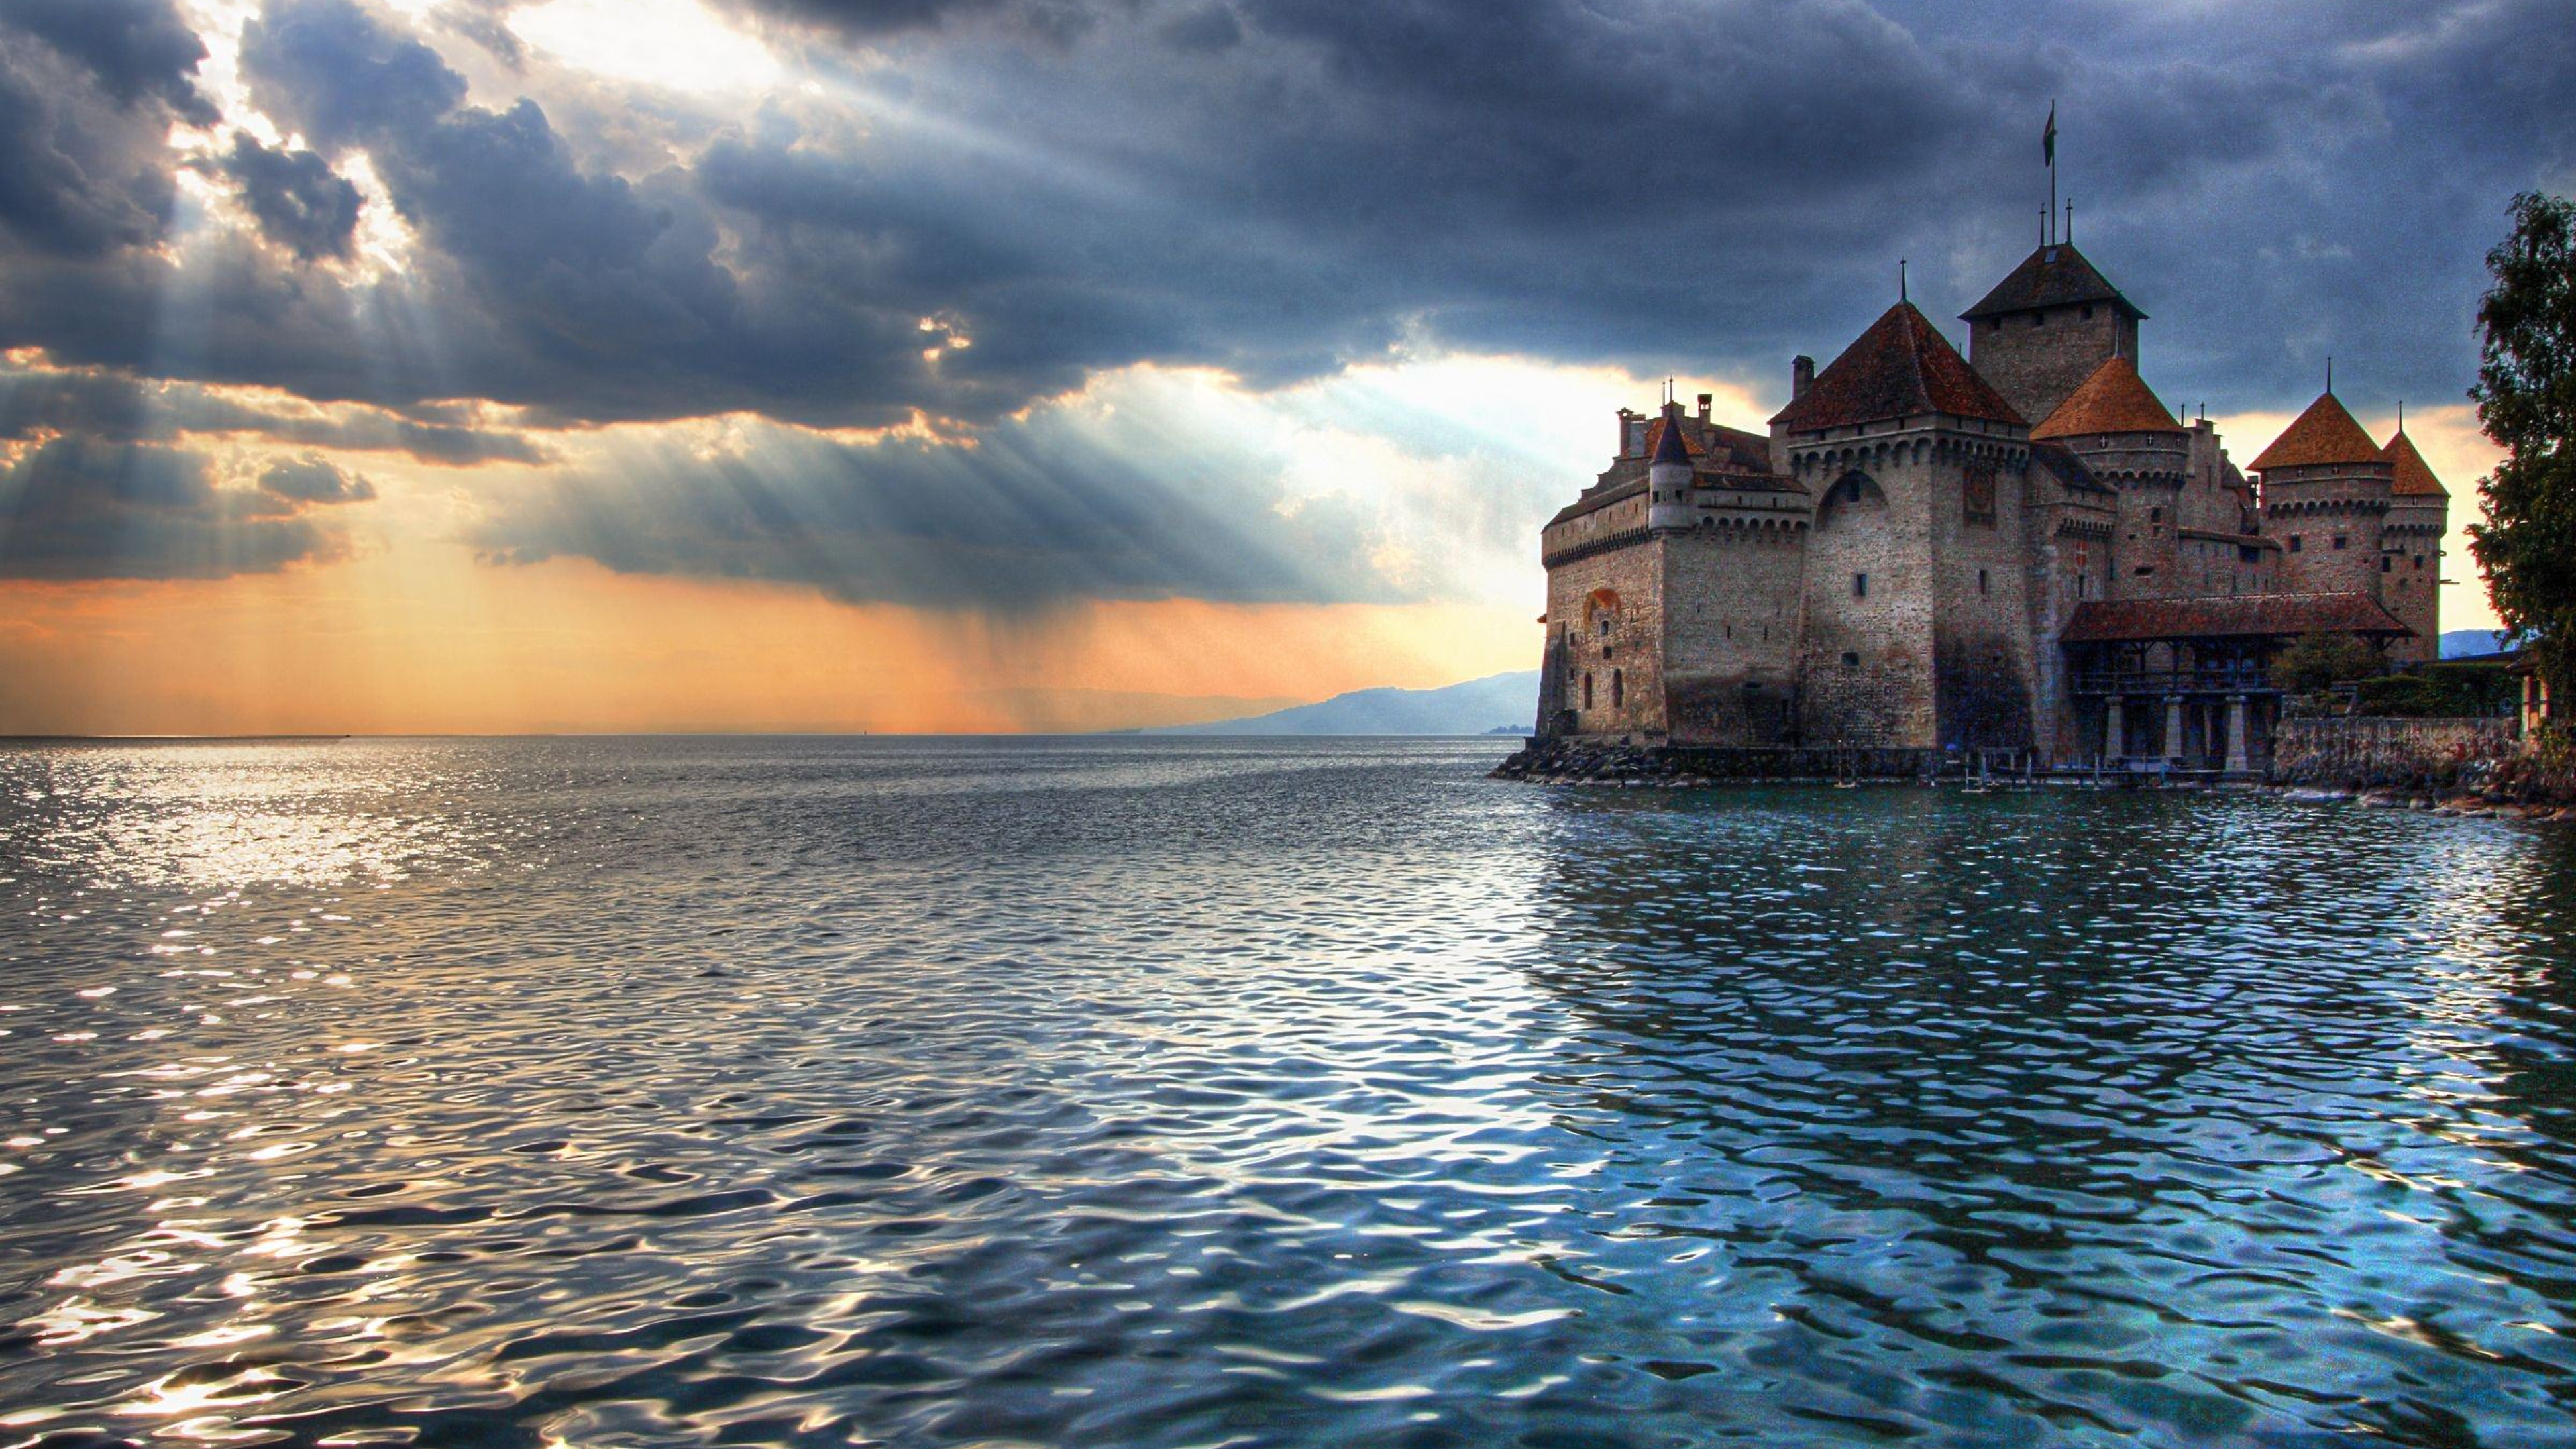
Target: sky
{"x":910,"y":365}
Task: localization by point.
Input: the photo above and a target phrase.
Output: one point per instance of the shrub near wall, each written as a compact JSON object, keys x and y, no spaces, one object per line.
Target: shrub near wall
{"x":2440,"y":691}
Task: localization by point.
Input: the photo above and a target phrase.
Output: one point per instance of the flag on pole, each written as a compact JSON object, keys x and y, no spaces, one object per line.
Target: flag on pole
{"x":2048,"y":137}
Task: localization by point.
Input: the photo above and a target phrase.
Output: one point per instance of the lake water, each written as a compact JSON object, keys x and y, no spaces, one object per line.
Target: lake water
{"x":1173,"y":1092}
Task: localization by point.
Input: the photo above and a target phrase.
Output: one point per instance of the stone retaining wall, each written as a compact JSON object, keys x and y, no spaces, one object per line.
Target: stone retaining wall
{"x":2411,"y":752}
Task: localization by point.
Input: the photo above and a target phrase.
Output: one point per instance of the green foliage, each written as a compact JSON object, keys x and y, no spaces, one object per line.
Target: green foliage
{"x":2526,"y":397}
{"x":2440,"y":691}
{"x":2319,"y":661}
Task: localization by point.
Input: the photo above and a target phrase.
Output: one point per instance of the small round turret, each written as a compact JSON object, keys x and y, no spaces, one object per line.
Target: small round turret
{"x":1668,"y":476}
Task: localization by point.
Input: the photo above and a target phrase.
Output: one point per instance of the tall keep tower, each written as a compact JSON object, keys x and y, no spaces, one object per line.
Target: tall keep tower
{"x":2047,"y":327}
{"x":1915,"y":585}
{"x":2326,"y":494}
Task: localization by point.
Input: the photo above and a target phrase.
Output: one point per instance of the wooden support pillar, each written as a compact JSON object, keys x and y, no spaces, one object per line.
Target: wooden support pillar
{"x":2113,"y":747}
{"x":2237,"y":763}
{"x":2173,"y":728}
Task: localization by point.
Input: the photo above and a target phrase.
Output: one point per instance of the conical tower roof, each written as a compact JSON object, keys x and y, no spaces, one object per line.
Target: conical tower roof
{"x":2323,"y":435}
{"x":2414,"y":476}
{"x":1901,"y":367}
{"x":1669,"y":444}
{"x":2113,"y":400}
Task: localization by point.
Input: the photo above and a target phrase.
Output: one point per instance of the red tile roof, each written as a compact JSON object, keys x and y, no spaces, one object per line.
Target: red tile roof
{"x":2414,"y":476}
{"x":2324,"y":434}
{"x":2111,"y":621}
{"x":2056,"y":275}
{"x":2113,"y":400}
{"x":1901,"y":367}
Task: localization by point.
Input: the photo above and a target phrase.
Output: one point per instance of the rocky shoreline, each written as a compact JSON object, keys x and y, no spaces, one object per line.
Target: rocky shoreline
{"x":2382,"y":798}
{"x":1585,"y":762}
{"x":2505,"y":790}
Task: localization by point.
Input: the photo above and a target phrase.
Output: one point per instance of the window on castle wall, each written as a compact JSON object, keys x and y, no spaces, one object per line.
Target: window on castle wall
{"x":1618,"y":689}
{"x":2155,"y":515}
{"x":2088,"y":312}
{"x":2294,"y":543}
{"x":1587,"y":691}
{"x":1851,"y":660}
{"x":2386,"y":563}
{"x":1860,"y":586}
{"x":1981,"y":582}
{"x":2339,"y":541}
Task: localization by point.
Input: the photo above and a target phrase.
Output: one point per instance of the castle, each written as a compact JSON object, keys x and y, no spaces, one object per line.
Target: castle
{"x":2016,"y":555}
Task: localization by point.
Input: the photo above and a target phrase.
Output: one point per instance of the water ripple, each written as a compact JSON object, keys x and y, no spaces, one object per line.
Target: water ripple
{"x":1169,"y":1093}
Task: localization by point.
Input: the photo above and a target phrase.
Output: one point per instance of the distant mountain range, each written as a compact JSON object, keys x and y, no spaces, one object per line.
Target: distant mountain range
{"x":2458,"y":642}
{"x":1496,"y":704}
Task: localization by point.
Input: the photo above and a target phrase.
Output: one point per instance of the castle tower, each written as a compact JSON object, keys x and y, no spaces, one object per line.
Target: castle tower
{"x":2044,"y":329}
{"x":2419,"y":513}
{"x":2116,"y":424}
{"x":1668,"y":475}
{"x":1916,"y":585}
{"x":2326,"y":494}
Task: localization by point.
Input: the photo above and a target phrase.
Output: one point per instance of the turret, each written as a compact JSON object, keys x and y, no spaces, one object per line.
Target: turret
{"x":1668,"y":475}
{"x":2326,"y":491}
{"x":2115,"y":423}
{"x":2410,"y":561}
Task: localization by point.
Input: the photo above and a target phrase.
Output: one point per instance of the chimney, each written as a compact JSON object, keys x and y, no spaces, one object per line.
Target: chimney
{"x":1626,"y":417}
{"x":1802,"y":375}
{"x":1704,"y":400}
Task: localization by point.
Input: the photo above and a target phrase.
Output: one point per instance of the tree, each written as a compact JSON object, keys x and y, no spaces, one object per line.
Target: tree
{"x":2526,"y":397}
{"x":2319,"y":661}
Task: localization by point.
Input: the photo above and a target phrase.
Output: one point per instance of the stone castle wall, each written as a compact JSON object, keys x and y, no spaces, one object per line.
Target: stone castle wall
{"x":1622,"y":664}
{"x":1985,"y":695}
{"x":1868,"y":659}
{"x":1734,"y":595}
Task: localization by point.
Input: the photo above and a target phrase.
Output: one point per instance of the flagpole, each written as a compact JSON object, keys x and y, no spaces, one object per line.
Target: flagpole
{"x":2048,"y":144}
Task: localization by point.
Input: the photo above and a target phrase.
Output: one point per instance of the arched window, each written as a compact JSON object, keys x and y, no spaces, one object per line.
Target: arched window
{"x":1853,"y":488}
{"x":1618,"y":688}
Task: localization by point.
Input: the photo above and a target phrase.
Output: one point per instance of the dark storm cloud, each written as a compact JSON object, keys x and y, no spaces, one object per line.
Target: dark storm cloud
{"x":1043,"y":511}
{"x":311,"y":479}
{"x":299,"y":202}
{"x":1058,"y":22}
{"x":137,"y":49}
{"x":88,"y":91}
{"x":81,"y":509}
{"x":113,"y":408}
{"x":1281,"y":187}
{"x":342,"y":75}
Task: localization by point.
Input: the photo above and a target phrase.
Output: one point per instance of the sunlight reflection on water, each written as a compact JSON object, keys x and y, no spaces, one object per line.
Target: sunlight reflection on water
{"x":1170,"y":1092}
